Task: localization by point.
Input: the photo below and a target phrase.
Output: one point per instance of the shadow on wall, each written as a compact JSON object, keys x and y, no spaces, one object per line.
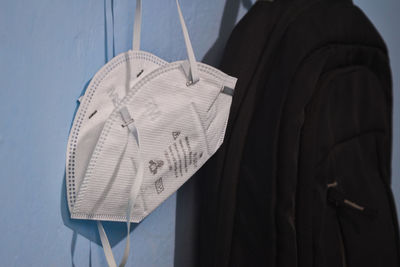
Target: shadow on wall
{"x":229,"y":17}
{"x":187,"y":204}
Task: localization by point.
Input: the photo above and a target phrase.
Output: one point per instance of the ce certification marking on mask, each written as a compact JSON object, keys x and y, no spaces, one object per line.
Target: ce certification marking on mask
{"x":179,"y":156}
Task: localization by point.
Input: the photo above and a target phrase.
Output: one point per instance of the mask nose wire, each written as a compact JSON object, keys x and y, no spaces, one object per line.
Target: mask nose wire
{"x":134,"y":192}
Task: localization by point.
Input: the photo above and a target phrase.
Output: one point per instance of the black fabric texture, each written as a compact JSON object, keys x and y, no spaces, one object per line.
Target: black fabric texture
{"x":303,"y":176}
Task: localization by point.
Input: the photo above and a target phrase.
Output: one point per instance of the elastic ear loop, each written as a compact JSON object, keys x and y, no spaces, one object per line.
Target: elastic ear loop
{"x":137,"y":25}
{"x":109,"y":29}
{"x":132,"y":197}
{"x":194,"y":77}
{"x":139,"y":177}
{"x":194,"y":73}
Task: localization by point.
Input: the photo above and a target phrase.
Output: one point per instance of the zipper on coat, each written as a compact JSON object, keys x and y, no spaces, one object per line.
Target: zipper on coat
{"x":338,"y":198}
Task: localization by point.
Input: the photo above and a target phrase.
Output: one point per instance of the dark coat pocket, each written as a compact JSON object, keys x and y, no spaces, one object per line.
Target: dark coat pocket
{"x":358,"y":225}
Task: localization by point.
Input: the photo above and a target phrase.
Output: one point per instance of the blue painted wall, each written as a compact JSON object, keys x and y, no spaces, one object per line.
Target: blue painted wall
{"x":385,"y":16}
{"x":49,"y":50}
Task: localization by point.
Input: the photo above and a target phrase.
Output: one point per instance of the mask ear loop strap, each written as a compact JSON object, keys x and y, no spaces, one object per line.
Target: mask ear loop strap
{"x":194,"y":76}
{"x":132,"y":132}
{"x":134,"y":193}
{"x":103,"y":236}
{"x":106,"y":245}
{"x":109,"y":29}
{"x":137,"y":25}
{"x":194,"y":72}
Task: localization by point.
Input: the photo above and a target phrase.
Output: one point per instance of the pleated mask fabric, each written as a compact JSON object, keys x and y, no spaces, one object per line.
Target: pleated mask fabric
{"x":103,"y":94}
{"x":132,"y":151}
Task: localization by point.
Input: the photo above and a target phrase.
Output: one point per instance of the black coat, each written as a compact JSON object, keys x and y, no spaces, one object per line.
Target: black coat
{"x":303,"y":176}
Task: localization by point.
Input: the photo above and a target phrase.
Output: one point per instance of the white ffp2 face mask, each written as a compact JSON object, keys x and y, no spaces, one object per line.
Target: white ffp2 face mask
{"x":127,"y":153}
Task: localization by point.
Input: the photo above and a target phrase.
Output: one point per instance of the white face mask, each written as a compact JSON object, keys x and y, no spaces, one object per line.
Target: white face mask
{"x":128,"y":153}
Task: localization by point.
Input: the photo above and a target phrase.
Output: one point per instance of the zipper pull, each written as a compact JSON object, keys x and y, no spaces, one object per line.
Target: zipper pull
{"x":336,"y":197}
